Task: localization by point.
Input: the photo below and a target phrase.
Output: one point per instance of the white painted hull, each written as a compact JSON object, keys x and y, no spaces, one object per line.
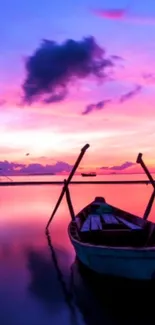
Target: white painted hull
{"x":125,"y":262}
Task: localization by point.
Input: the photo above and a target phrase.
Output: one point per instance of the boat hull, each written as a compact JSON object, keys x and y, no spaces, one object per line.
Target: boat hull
{"x":130,"y":263}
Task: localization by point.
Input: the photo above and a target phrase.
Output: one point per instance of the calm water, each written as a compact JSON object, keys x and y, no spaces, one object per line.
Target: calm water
{"x":31,"y":289}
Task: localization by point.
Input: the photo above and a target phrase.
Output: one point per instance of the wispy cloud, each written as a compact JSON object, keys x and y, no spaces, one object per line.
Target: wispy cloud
{"x":53,"y":67}
{"x":149,"y":78}
{"x":116,"y":57}
{"x":130,"y":94}
{"x":125,"y":165}
{"x":102,"y":104}
{"x":124,"y":15}
{"x":96,"y":107}
{"x":114,"y":14}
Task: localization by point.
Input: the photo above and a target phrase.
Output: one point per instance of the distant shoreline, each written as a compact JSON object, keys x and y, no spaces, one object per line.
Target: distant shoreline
{"x":49,"y":174}
{"x":36,"y":183}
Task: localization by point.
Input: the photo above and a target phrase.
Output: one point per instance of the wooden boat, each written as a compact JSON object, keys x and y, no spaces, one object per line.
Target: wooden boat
{"x":111,"y":241}
{"x":88,"y":174}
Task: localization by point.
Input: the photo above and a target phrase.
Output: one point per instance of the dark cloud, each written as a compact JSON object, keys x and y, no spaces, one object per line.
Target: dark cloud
{"x":55,"y":98}
{"x":125,"y":165}
{"x":130,"y":94}
{"x":10,"y":168}
{"x":7,"y":166}
{"x":52,"y":67}
{"x":96,"y":107}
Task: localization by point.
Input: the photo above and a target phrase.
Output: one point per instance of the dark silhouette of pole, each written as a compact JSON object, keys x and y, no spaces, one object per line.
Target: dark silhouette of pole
{"x":83,"y":150}
{"x":150,"y":203}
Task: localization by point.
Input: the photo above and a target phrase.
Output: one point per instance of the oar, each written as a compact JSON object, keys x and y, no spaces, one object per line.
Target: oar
{"x":150,"y":203}
{"x":83,"y":150}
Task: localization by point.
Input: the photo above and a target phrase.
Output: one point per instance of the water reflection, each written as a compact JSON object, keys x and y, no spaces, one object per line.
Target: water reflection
{"x":31,"y":289}
{"x":109,"y":301}
{"x":66,"y":290}
{"x":105,"y":300}
{"x":43,"y":278}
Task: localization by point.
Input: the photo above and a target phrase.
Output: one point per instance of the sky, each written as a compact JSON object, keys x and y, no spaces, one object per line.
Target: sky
{"x":74,"y":74}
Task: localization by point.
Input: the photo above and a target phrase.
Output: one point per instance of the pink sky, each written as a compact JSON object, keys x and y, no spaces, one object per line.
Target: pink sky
{"x":56,"y":132}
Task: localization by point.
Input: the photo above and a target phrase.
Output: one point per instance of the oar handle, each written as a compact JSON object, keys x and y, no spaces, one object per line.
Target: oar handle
{"x":83,"y":150}
{"x":141,"y":162}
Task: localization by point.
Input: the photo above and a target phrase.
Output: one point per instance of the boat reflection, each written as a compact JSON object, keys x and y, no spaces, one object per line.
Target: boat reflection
{"x":105,"y":300}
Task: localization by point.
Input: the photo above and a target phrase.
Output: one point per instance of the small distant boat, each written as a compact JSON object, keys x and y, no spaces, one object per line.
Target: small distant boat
{"x":93,"y":174}
{"x":111,"y":241}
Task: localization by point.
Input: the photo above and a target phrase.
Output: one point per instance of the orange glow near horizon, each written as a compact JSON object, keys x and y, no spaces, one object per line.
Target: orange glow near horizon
{"x":114,"y":137}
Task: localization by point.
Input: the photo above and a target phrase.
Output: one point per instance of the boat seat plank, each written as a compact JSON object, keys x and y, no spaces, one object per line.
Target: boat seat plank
{"x":96,"y":222}
{"x":86,"y":225}
{"x":129,"y":224}
{"x":109,"y":218}
{"x":93,"y":222}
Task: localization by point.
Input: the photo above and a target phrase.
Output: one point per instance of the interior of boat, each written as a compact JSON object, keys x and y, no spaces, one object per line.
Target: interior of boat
{"x":102,"y":224}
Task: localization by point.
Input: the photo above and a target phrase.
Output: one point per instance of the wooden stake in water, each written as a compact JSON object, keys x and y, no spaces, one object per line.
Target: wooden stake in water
{"x":83,"y":150}
{"x":150,"y":203}
{"x":69,"y":202}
